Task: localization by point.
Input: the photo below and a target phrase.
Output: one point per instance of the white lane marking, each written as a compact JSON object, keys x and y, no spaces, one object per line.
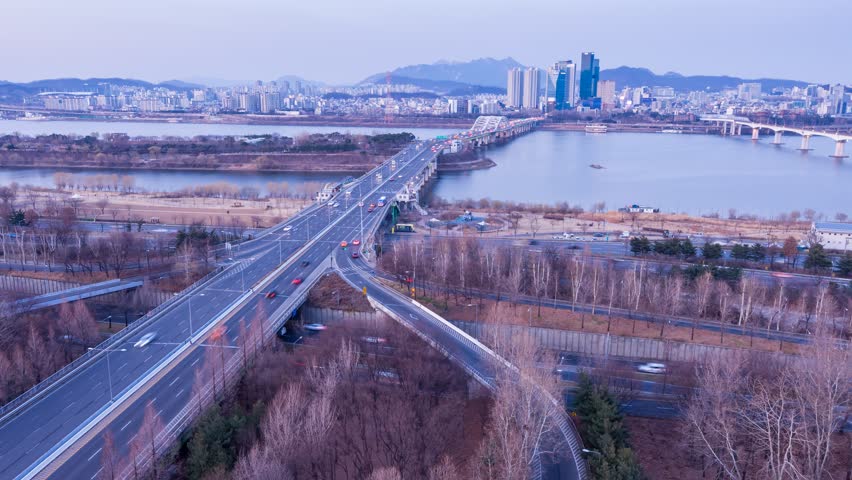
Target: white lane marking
{"x":193,"y":363}
{"x":235,"y":338}
{"x":93,"y":455}
{"x":97,"y":473}
{"x":173,"y":381}
{"x":126,"y":425}
{"x":122,"y":365}
{"x":148,"y":357}
{"x":179,"y":392}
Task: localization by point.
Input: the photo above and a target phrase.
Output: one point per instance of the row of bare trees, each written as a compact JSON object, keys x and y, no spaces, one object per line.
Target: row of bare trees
{"x":755,"y":416}
{"x":109,"y":182}
{"x":466,"y":268}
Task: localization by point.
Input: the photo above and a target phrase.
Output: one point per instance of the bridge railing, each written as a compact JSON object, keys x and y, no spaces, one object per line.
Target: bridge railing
{"x":58,"y":377}
{"x":233,"y":368}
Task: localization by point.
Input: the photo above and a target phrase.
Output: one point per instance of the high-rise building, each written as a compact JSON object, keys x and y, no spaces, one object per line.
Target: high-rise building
{"x":530,"y":88}
{"x":514,"y":87}
{"x":560,"y":85}
{"x":590,"y":72}
{"x":606,"y":90}
{"x":749,"y":91}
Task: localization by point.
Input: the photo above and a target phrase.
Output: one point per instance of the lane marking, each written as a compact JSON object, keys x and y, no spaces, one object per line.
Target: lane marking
{"x":93,"y":455}
{"x":126,"y":425}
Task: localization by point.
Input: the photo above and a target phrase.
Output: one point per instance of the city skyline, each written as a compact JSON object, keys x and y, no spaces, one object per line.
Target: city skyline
{"x":320,"y":46}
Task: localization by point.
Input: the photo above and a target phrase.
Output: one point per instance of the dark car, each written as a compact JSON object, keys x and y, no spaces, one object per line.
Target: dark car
{"x":355,"y":255}
{"x":305,"y":263}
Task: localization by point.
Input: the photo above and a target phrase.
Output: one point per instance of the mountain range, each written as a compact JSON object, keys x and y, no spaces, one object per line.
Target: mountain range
{"x":490,"y":72}
{"x":14,"y":92}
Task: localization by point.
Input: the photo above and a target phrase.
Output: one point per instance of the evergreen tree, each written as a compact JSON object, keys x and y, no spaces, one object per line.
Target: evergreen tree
{"x":817,"y":258}
{"x":711,"y":251}
{"x":844,"y":266}
{"x":687,"y":249}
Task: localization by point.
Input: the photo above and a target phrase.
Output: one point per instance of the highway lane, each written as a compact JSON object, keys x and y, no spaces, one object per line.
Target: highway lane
{"x":459,"y":350}
{"x":166,"y":394}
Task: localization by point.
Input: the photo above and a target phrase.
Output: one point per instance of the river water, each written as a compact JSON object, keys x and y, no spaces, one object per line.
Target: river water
{"x":697,"y":174}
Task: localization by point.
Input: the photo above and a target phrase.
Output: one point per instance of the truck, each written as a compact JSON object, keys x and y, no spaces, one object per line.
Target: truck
{"x":663,"y":232}
{"x":382,"y":201}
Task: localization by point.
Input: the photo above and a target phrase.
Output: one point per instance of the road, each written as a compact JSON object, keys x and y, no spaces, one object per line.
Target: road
{"x":40,"y":426}
{"x":428,"y":326}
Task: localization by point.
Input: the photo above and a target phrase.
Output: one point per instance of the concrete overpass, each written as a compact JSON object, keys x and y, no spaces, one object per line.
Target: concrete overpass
{"x":56,"y":429}
{"x":733,"y":125}
{"x":77,"y":293}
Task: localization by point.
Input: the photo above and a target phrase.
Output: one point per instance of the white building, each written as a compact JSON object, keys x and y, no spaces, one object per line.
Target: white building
{"x":514,"y":87}
{"x":833,"y":235}
{"x":530,"y":84}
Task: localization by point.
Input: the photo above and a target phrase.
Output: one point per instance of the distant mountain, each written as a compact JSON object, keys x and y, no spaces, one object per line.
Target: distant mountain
{"x":638,"y":77}
{"x":443,"y":87}
{"x":484,"y":72}
{"x":295,"y":78}
{"x":14,"y":92}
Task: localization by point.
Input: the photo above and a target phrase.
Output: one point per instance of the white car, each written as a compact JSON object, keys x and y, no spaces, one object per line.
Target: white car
{"x":374,"y":339}
{"x":315,"y":327}
{"x":145,"y":340}
{"x":287,"y":228}
{"x":655,"y":368}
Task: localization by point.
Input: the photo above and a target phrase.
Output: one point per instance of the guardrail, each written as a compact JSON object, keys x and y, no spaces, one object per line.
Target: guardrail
{"x":171,"y":432}
{"x":566,"y":428}
{"x":10,"y":409}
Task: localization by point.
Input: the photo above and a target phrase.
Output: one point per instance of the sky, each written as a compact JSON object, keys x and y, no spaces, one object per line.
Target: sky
{"x":344,"y":41}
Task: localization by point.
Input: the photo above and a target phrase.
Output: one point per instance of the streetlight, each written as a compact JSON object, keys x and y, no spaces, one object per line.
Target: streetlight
{"x":190,"y":314}
{"x":591,"y":452}
{"x":477,"y":310}
{"x":109,"y":368}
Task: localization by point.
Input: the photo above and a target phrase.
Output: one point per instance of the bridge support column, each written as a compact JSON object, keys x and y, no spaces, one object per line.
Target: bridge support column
{"x":838,"y":149}
{"x":806,"y":140}
{"x":755,"y":133}
{"x":739,"y":130}
{"x":777,"y":140}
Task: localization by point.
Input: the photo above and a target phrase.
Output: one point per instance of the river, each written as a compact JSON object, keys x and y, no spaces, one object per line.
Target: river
{"x":696,"y":174}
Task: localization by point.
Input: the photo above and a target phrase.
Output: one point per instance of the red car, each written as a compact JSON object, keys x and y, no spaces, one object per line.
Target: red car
{"x":296,"y":281}
{"x":356,"y":242}
{"x":271,"y":294}
{"x":355,"y":255}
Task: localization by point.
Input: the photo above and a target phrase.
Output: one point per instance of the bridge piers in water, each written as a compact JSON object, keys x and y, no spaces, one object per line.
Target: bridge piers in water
{"x":777,"y":140}
{"x":755,"y":133}
{"x":838,"y":149}
{"x":806,"y":141}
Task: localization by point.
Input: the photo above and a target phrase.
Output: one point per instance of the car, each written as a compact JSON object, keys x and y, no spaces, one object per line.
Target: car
{"x":271,"y":294}
{"x":355,"y":255}
{"x":372,"y":205}
{"x":305,"y":263}
{"x":343,"y":244}
{"x":655,"y":368}
{"x":370,"y":210}
{"x":391,"y":179}
{"x":297,"y":281}
{"x":315,"y":327}
{"x":374,"y":339}
{"x":145,"y":339}
{"x":598,"y":235}
{"x":287,"y":228}
{"x":356,"y":242}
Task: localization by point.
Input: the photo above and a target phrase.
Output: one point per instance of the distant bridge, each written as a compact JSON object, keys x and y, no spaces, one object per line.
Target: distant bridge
{"x":76,"y":293}
{"x":733,"y":125}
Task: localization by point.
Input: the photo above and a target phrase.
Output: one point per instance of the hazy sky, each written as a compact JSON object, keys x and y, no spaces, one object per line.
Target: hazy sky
{"x":343,"y":41}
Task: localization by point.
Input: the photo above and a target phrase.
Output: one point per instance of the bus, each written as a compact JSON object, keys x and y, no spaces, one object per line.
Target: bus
{"x":403,"y":228}
{"x":382,"y":201}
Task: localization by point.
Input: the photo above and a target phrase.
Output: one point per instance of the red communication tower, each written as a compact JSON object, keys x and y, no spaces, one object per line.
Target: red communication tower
{"x":388,"y":99}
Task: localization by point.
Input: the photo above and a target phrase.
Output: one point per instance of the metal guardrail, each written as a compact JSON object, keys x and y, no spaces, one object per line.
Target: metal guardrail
{"x":8,"y":410}
{"x":206,"y":396}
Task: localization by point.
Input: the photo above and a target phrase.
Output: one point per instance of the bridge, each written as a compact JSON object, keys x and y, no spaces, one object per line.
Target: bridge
{"x":77,"y":293}
{"x":733,"y":125}
{"x":56,"y":429}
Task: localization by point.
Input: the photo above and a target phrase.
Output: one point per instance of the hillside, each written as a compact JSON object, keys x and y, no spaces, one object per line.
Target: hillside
{"x":485,"y":72}
{"x":637,"y":77}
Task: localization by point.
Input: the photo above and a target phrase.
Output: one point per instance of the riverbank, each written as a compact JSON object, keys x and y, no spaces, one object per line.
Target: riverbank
{"x":464,"y":161}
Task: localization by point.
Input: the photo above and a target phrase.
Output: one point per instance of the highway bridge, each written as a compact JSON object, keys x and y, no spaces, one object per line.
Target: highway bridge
{"x":56,"y":429}
{"x":77,"y":293}
{"x":733,"y":125}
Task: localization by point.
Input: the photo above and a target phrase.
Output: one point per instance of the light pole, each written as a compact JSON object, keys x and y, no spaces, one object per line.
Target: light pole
{"x":109,"y":368}
{"x":190,"y":315}
{"x":477,"y":310}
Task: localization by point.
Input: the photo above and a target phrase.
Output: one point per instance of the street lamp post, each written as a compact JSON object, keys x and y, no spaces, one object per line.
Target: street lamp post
{"x":477,"y":310}
{"x":109,"y":367}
